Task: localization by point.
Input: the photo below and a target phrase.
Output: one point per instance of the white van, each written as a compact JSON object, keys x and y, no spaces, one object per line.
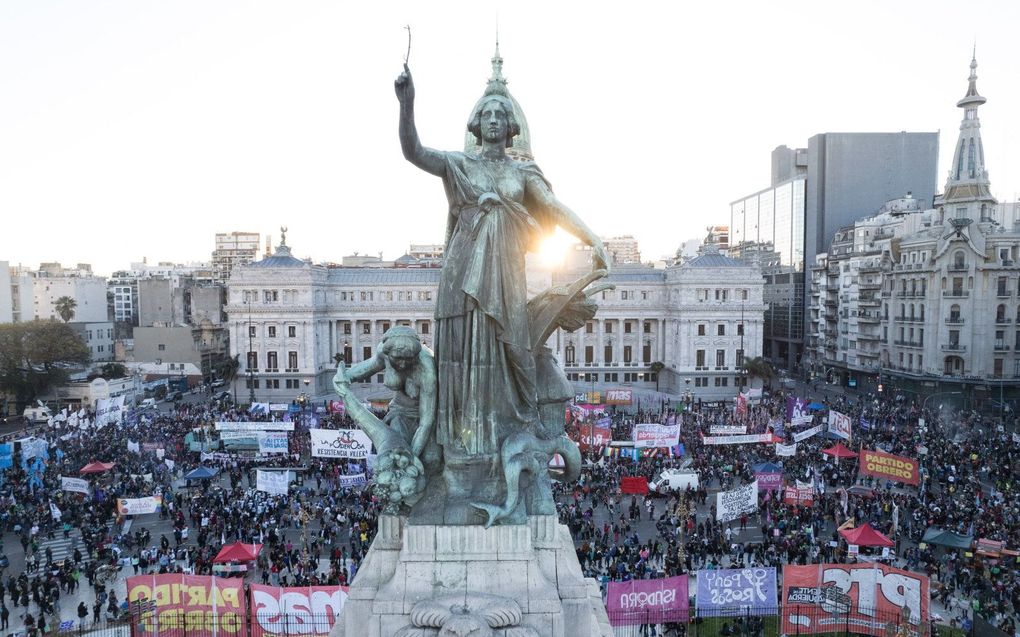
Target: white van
{"x":37,"y":414}
{"x":148,"y":403}
{"x":674,"y":480}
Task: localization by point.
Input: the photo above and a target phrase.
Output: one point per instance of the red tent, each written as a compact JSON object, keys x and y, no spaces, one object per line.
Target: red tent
{"x":97,"y":467}
{"x":839,"y":451}
{"x":865,"y":535}
{"x":238,"y":552}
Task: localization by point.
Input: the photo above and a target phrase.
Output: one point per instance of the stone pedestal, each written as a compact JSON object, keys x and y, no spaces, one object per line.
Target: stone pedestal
{"x":531,"y":568}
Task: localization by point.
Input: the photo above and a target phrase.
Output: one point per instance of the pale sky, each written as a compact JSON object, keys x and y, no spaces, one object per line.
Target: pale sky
{"x":134,"y":128}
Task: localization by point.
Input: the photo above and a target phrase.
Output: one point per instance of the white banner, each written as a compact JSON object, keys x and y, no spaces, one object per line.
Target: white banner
{"x":839,"y":424}
{"x":786,"y":451}
{"x":653,"y":435}
{"x":277,"y":406}
{"x":807,"y":433}
{"x":254,"y":426}
{"x":355,"y":480}
{"x":109,"y":411}
{"x":272,"y":482}
{"x":259,"y":408}
{"x":340,"y":443}
{"x":273,"y":442}
{"x":76,"y":485}
{"x":55,"y":513}
{"x":238,"y":435}
{"x":730,"y":505}
{"x":139,"y":506}
{"x":727,"y":430}
{"x":134,"y":447}
{"x":170,"y":464}
{"x":736,"y":440}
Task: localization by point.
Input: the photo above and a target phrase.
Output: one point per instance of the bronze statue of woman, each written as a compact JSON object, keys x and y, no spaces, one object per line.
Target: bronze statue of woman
{"x":498,"y":208}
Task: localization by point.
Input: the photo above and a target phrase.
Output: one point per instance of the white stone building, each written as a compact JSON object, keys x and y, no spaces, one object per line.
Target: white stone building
{"x":16,"y":294}
{"x":927,"y":299}
{"x":53,"y":282}
{"x":290,"y":319}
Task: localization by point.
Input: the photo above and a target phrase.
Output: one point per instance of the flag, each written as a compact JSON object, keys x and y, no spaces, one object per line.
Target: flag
{"x":55,"y":512}
{"x":849,"y":524}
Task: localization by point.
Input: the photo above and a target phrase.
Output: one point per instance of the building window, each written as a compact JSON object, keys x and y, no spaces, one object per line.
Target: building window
{"x":589,"y":354}
{"x":607,"y":354}
{"x":292,"y":362}
{"x":366,"y":328}
{"x":720,"y":358}
{"x":291,"y":331}
{"x":648,"y":327}
{"x":626,"y":353}
{"x":646,"y":353}
{"x":997,"y":368}
{"x":608,"y":327}
{"x":347,"y":328}
{"x":699,"y":359}
{"x":269,"y":296}
{"x":161,"y":347}
{"x":253,"y":361}
{"x":626,"y":327}
{"x":702,"y":329}
{"x":251,"y":383}
{"x":740,"y":358}
{"x":271,"y":362}
{"x":568,"y":354}
{"x":589,"y":328}
{"x":366,"y":353}
{"x":271,"y":331}
{"x":425,"y":327}
{"x":272,"y":383}
{"x":720,"y":329}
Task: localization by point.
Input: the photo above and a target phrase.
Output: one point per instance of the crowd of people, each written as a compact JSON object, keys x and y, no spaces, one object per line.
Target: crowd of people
{"x":971,"y":473}
{"x":320,"y":532}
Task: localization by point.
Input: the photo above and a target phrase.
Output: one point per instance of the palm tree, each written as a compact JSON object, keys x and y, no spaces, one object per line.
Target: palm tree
{"x":65,"y":308}
{"x":227,"y":370}
{"x":758,"y":367}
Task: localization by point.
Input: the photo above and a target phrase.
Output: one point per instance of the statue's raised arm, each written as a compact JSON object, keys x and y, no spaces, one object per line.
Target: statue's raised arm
{"x":429,"y":160}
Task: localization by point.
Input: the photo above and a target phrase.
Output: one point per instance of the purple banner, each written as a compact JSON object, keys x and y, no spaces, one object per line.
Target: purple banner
{"x":797,"y":412}
{"x":769,"y":481}
{"x":651,"y":601}
{"x":746,"y":591}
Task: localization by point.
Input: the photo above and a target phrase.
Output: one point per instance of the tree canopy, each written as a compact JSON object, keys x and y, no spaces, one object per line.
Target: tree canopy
{"x":65,"y":307}
{"x":36,"y":355}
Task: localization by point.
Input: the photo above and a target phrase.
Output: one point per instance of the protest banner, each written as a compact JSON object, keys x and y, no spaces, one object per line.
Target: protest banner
{"x":839,"y":424}
{"x":730,"y":505}
{"x":6,"y":455}
{"x":637,"y":485}
{"x":109,"y":411}
{"x":797,"y":412}
{"x":799,"y":496}
{"x":885,"y":465}
{"x":273,"y":442}
{"x":737,"y":440}
{"x":807,"y":433}
{"x":354,"y":480}
{"x":725,"y":592}
{"x":340,"y":443}
{"x":299,"y":611}
{"x":648,"y":601}
{"x":786,"y":451}
{"x":619,"y":396}
{"x":595,"y":434}
{"x":878,"y":594}
{"x":76,"y":485}
{"x":139,"y":506}
{"x":254,"y":426}
{"x":134,"y":447}
{"x":195,"y":605}
{"x":653,"y":435}
{"x":727,"y":430}
{"x":272,"y":482}
{"x":769,"y":480}
{"x":279,"y":407}
{"x":239,"y":435}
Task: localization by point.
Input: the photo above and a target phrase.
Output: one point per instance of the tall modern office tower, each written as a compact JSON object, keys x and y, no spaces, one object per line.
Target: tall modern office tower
{"x":838,"y":179}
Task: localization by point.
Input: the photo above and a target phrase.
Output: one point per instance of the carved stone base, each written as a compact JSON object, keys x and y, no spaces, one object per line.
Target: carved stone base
{"x":515,"y":580}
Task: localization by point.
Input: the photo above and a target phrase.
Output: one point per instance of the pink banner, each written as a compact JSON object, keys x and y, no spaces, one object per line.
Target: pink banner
{"x":195,"y":605}
{"x":771,"y":481}
{"x":648,"y":601}
{"x":297,"y":611}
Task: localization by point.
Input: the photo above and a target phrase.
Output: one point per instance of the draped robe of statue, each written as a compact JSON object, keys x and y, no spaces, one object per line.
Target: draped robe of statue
{"x":486,"y":369}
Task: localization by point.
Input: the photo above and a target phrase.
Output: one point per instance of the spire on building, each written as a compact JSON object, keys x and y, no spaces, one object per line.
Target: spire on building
{"x":968,"y":193}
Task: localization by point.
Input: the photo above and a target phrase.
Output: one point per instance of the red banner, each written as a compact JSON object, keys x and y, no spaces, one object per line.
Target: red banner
{"x":890,"y":467}
{"x":798,"y":496}
{"x":634,"y":485}
{"x":194,"y":605}
{"x":592,"y":435}
{"x":307,"y":611}
{"x":878,"y":595}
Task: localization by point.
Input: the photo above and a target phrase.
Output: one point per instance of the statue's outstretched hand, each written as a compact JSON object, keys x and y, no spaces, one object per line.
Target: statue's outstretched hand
{"x":341,"y":383}
{"x":404,"y":87}
{"x":599,"y":256}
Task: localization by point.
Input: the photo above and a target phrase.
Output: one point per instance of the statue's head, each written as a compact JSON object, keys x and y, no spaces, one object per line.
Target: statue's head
{"x":499,"y":107}
{"x":400,"y":346}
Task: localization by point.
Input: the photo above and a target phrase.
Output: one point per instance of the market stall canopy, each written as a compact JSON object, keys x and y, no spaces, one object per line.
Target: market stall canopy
{"x":201,"y":473}
{"x":97,"y":467}
{"x":947,"y":538}
{"x":839,"y":451}
{"x":238,"y":552}
{"x":865,"y":535}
